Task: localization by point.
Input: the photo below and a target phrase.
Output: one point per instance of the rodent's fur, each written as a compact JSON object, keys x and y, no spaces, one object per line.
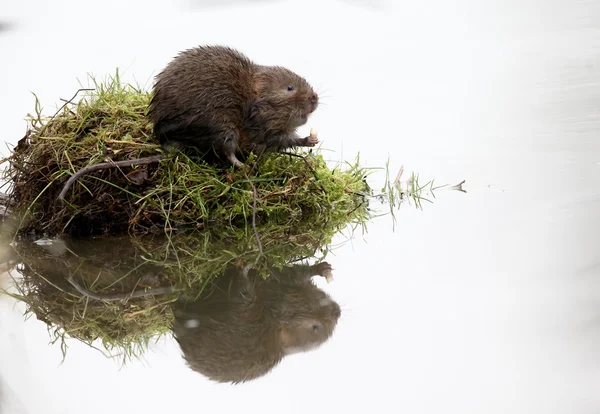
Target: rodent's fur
{"x":244,"y":326}
{"x":216,"y":99}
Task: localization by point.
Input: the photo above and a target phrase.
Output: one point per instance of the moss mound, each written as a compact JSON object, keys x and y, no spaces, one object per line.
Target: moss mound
{"x":109,"y":123}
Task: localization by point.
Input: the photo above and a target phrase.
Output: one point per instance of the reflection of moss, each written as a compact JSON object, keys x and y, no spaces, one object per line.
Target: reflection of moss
{"x":121,"y":326}
{"x":110,"y":123}
{"x":115,"y":265}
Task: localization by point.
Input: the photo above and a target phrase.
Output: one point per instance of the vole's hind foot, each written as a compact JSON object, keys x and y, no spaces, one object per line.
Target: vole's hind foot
{"x":233,"y":160}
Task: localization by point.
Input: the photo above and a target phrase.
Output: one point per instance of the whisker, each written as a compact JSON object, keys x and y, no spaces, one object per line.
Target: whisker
{"x":322,"y":92}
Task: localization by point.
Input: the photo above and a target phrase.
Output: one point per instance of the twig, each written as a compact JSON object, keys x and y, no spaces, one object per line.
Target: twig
{"x":3,"y":160}
{"x":120,"y":296}
{"x":103,"y":166}
{"x":116,"y":141}
{"x":458,"y":187}
{"x":355,"y":208}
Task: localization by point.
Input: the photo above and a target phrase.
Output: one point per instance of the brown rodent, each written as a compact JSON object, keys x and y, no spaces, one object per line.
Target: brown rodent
{"x":245,"y":326}
{"x":217,"y":100}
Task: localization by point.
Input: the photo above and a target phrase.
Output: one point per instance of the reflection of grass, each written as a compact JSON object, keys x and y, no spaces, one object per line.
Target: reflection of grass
{"x":395,"y":192}
{"x":110,"y":123}
{"x":113,"y":268}
{"x":123,"y":328}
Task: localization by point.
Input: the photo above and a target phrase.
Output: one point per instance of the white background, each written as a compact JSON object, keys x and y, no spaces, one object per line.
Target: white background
{"x":485,"y":302}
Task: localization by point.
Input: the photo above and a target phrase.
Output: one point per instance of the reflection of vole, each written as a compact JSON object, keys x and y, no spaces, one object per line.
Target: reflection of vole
{"x":242,"y":328}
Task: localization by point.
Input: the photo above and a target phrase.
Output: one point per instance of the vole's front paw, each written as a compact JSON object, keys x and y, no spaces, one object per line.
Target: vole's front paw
{"x":311,"y":140}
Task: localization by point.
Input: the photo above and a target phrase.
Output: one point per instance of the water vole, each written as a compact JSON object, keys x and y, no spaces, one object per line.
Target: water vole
{"x":216,"y":99}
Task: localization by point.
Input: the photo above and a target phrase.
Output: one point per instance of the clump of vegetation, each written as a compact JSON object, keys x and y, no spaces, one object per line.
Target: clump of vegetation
{"x":110,"y":124}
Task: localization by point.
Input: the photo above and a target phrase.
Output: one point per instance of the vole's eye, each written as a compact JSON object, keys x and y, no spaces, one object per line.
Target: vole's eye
{"x":315,"y":328}
{"x":290,"y":87}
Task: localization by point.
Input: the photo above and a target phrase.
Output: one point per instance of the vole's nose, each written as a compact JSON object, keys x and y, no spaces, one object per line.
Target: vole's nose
{"x":314,"y":101}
